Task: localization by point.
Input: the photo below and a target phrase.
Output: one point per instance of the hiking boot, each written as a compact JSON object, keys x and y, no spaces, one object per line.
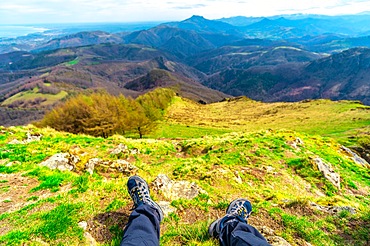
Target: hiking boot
{"x":214,"y":228}
{"x":139,"y":192}
{"x":239,"y":209}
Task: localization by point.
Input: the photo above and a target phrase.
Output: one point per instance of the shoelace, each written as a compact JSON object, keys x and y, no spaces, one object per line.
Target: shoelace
{"x":241,"y":211}
{"x":137,"y":196}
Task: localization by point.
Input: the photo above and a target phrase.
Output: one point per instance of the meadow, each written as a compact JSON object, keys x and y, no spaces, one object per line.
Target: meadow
{"x":236,"y":148}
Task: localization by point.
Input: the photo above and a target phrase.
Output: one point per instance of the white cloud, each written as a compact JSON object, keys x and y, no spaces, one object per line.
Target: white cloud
{"x":25,"y":11}
{"x":22,"y":9}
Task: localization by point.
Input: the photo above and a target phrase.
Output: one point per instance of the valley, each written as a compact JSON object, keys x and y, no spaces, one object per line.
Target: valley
{"x":274,"y":109}
{"x":205,"y":60}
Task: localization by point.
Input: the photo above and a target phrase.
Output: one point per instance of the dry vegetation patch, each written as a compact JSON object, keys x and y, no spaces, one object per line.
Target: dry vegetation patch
{"x":318,"y":117}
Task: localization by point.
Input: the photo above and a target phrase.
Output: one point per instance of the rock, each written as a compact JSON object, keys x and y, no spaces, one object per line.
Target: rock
{"x":33,"y":137}
{"x":333,"y":209}
{"x":174,"y":190}
{"x":336,"y":209}
{"x":134,"y":151}
{"x":12,"y":163}
{"x":355,"y":157}
{"x":89,"y":239}
{"x":83,"y":225}
{"x":237,"y":178}
{"x":266,"y":231}
{"x":269,"y":169}
{"x":121,"y":148}
{"x":124,"y":167}
{"x":166,"y":207}
{"x":41,"y":242}
{"x":363,"y":151}
{"x":328,"y":172}
{"x":16,"y":141}
{"x":277,"y":241}
{"x":90,"y":165}
{"x":295,"y":143}
{"x":270,"y":236}
{"x":61,"y":161}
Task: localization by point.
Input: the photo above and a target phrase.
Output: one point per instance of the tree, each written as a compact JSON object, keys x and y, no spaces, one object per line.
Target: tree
{"x":139,"y":121}
{"x":102,"y":114}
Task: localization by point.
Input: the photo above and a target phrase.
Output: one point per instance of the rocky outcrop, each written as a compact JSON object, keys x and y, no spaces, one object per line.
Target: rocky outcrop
{"x":277,"y":241}
{"x":31,"y":137}
{"x":270,"y":236}
{"x":122,"y":166}
{"x":166,"y":207}
{"x":176,"y":189}
{"x":295,"y":143}
{"x":364,"y":152}
{"x":61,"y":161}
{"x":90,"y":165}
{"x":89,"y":240}
{"x":327,"y":170}
{"x":123,"y":149}
{"x":355,"y":157}
{"x":333,"y":209}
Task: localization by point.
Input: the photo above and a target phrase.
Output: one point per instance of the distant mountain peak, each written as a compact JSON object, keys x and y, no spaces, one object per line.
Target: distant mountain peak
{"x":196,"y":19}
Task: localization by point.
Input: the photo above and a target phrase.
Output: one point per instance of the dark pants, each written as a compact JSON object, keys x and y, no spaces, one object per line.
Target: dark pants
{"x":237,"y":233}
{"x":142,"y":229}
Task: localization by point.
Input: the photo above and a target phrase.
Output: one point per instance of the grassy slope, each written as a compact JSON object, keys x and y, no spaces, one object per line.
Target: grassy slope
{"x":52,"y":203}
{"x":33,"y":94}
{"x":319,"y":117}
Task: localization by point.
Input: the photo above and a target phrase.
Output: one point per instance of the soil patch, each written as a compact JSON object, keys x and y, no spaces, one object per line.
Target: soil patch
{"x":15,"y":192}
{"x":105,"y":226}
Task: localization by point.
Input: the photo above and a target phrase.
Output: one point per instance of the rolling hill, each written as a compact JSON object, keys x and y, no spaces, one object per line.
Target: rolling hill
{"x":221,"y":151}
{"x":279,"y":58}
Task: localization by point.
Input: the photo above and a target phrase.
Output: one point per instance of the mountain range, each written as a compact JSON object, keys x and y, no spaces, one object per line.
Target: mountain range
{"x":279,"y":58}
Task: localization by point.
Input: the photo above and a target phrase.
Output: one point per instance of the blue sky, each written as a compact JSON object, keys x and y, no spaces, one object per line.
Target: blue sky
{"x":70,"y":11}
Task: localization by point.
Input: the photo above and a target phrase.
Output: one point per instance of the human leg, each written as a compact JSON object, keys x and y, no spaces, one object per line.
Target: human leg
{"x":237,"y":233}
{"x":233,"y":229}
{"x":143,"y":225}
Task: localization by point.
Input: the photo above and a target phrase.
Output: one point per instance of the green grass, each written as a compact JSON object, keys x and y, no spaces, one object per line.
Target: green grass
{"x":229,"y":154}
{"x":64,"y":217}
{"x":320,"y":117}
{"x":52,"y":180}
{"x":74,"y":62}
{"x":115,"y":205}
{"x":182,"y":131}
{"x":188,"y":234}
{"x":31,"y":95}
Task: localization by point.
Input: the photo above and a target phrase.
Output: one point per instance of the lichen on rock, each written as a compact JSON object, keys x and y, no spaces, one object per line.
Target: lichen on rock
{"x":61,"y":161}
{"x":327,"y":170}
{"x":176,"y":189}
